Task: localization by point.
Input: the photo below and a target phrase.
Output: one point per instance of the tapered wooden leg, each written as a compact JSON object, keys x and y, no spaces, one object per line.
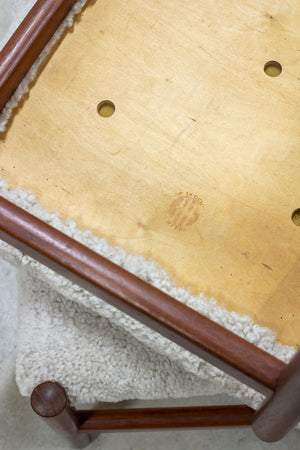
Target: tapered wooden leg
{"x":49,"y":400}
{"x":282,"y":411}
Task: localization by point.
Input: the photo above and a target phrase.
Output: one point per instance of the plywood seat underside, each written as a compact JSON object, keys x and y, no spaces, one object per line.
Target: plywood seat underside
{"x":198,"y":168}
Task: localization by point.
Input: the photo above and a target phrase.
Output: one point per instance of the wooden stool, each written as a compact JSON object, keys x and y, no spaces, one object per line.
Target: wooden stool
{"x":173,"y":133}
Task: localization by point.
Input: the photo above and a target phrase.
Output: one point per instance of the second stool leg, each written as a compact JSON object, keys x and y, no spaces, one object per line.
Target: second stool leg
{"x":50,"y":401}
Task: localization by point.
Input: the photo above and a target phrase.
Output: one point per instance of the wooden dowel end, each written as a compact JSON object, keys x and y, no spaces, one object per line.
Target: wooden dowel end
{"x":50,"y":402}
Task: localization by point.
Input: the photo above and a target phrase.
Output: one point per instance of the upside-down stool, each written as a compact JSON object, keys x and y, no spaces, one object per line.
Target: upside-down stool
{"x":150,"y":200}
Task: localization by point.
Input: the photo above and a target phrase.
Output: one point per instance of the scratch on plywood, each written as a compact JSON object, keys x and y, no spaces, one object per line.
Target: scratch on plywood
{"x":173,"y":144}
{"x":266,"y":265}
{"x":249,"y":257}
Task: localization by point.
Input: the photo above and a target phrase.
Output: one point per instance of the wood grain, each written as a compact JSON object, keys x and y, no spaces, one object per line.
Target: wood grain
{"x":164,"y":418}
{"x":198,"y":169}
{"x":139,"y":299}
{"x":282,"y":412}
{"x":27,"y":42}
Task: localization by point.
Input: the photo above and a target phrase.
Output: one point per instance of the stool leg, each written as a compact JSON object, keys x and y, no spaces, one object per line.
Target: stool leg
{"x":50,"y":401}
{"x":281,"y":412}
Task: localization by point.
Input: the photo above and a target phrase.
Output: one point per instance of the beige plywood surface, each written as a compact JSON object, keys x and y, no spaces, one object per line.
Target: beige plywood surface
{"x":199,"y":166}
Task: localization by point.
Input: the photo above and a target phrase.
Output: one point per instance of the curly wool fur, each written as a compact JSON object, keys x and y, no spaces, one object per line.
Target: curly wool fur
{"x":150,"y":272}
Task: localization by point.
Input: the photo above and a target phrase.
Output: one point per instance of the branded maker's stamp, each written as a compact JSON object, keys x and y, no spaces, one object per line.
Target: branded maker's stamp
{"x":184,"y":210}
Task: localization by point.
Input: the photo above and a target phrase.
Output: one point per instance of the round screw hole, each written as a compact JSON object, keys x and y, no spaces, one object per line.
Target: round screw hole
{"x":296,"y":217}
{"x":272,"y":69}
{"x":106,"y":108}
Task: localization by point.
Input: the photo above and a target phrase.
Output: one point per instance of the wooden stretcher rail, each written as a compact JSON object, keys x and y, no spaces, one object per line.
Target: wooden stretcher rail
{"x":159,"y":311}
{"x":50,"y":401}
{"x":28,"y":41}
{"x":164,"y":418}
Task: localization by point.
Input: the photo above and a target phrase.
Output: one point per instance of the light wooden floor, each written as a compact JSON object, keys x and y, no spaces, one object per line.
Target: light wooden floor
{"x":199,"y":166}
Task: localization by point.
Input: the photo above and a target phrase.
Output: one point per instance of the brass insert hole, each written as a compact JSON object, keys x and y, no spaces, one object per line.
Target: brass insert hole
{"x":106,"y":108}
{"x":296,"y":217}
{"x":273,"y":69}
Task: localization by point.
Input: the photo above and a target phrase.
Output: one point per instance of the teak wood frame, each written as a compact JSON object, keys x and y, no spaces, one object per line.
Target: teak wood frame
{"x":278,"y":381}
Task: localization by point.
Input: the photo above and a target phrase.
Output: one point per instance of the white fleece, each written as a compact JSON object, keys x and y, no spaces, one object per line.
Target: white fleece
{"x":91,"y":357}
{"x":150,"y":272}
